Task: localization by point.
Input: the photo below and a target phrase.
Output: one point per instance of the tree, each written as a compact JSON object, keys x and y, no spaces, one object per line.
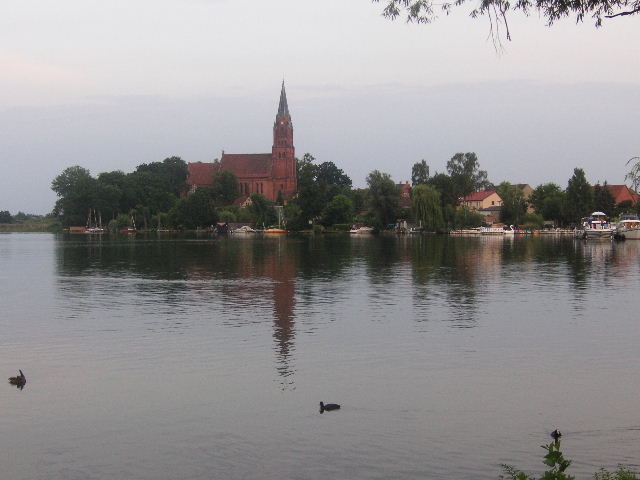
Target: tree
{"x":318,"y":184}
{"x":548,"y":200}
{"x":603,"y":201}
{"x":579,"y":197}
{"x":634,"y":173}
{"x":338,"y":210}
{"x":225,"y":188}
{"x":466,"y":176}
{"x":76,"y":188}
{"x":384,"y":197}
{"x":425,"y":11}
{"x":419,"y":173}
{"x":5,"y":216}
{"x":426,"y":207}
{"x":262,"y":210}
{"x":172,"y":171}
{"x":444,"y":185}
{"x":195,"y":210}
{"x":514,"y":205}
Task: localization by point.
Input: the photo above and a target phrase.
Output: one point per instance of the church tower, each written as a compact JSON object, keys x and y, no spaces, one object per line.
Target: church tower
{"x":283,"y":151}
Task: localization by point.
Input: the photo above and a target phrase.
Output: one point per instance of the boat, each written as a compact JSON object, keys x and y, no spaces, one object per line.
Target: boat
{"x":94,"y":223}
{"x":595,"y":226}
{"x":131,"y":228}
{"x":628,"y":227}
{"x":360,"y":229}
{"x":275,"y":231}
{"x":243,"y":229}
{"x":492,"y":231}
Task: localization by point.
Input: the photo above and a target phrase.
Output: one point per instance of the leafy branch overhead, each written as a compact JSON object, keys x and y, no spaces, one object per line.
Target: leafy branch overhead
{"x":426,"y":11}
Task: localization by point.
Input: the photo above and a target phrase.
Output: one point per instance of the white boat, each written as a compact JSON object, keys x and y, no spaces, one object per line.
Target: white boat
{"x":359,"y":229}
{"x":492,"y":231}
{"x":244,"y":229}
{"x":595,"y":226}
{"x":628,"y":227}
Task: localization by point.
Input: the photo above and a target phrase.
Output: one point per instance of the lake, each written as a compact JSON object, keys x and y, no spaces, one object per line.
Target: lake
{"x":166,"y":357}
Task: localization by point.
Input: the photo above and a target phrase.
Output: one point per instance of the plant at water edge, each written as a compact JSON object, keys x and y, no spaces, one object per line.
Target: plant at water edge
{"x":558,"y":464}
{"x":622,"y":473}
{"x":553,"y":459}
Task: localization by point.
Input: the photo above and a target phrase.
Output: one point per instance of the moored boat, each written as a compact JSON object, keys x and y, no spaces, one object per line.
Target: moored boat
{"x":360,"y":229}
{"x":628,"y":227}
{"x":594,"y":227}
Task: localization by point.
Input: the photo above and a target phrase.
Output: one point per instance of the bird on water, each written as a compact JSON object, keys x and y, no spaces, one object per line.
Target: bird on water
{"x":328,"y":407}
{"x":556,"y":435}
{"x":18,"y":381}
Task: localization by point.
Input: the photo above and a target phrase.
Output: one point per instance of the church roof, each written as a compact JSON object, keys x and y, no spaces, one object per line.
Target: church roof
{"x":201,"y":174}
{"x":283,"y":108}
{"x":247,"y":164}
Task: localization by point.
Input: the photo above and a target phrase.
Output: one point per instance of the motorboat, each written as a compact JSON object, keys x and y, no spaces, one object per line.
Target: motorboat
{"x":244,"y":229}
{"x":595,"y":226}
{"x":628,"y":227}
{"x":360,"y":229}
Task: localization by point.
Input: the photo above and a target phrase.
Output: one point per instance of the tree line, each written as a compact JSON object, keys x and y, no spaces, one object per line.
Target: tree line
{"x":154,"y":196}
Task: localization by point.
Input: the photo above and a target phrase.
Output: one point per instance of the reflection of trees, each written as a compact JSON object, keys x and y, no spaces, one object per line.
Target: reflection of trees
{"x":242,"y":277}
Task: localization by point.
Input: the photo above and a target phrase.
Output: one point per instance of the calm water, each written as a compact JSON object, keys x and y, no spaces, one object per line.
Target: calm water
{"x":204,"y":358}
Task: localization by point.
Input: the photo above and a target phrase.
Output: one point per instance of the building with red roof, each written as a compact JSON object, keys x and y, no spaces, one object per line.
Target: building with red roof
{"x":482,"y":200}
{"x":622,"y":193}
{"x":268,"y":174}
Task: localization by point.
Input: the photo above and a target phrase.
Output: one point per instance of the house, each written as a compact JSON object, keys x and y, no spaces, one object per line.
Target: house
{"x":405,"y":194}
{"x":622,"y":193}
{"x":482,"y":200}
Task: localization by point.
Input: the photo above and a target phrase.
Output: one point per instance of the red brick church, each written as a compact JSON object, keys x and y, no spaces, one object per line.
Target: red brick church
{"x":264,"y":173}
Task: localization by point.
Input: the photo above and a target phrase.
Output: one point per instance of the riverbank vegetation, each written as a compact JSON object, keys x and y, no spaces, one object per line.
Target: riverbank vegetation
{"x":558,"y":466}
{"x":155,"y":196}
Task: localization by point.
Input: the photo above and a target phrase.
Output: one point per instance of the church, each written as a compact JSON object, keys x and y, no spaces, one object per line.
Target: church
{"x":268,"y":174}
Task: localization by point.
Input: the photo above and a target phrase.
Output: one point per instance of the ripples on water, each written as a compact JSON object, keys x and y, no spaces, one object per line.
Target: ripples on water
{"x":163,"y":358}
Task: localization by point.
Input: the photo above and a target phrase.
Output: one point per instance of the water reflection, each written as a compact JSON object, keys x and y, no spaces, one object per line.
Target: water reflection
{"x":177,"y":282}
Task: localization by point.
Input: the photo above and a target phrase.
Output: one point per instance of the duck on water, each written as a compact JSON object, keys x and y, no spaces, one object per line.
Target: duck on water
{"x":18,"y":381}
{"x":328,"y":407}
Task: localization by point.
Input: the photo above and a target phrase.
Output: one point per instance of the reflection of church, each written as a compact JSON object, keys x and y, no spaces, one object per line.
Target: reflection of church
{"x":269,"y":174}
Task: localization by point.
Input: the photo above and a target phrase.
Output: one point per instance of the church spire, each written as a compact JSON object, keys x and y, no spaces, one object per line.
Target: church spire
{"x":283,"y":108}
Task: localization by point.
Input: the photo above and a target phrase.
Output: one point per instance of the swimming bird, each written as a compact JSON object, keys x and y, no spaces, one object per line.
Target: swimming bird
{"x":556,"y":435}
{"x":18,"y":381}
{"x":328,"y":407}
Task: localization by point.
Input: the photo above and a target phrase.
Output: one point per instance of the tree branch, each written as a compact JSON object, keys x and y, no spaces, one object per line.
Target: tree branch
{"x":622,"y":14}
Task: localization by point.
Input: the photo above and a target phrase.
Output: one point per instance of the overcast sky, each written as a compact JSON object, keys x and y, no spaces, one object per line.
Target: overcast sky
{"x":110,"y":85}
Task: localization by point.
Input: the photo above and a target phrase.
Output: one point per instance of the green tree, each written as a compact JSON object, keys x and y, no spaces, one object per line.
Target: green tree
{"x":427,"y":209}
{"x":318,"y":184}
{"x":76,"y":188}
{"x":444,"y":185}
{"x":262,"y":210}
{"x":425,"y":11}
{"x":579,"y":197}
{"x":196,"y":210}
{"x":465,"y":173}
{"x":338,"y":210}
{"x":384,"y":197}
{"x":225,"y":188}
{"x":172,"y":172}
{"x":419,"y":173}
{"x":293,"y":216}
{"x":466,"y":218}
{"x":603,"y":201}
{"x":514,"y":205}
{"x":548,"y":200}
{"x":5,"y":217}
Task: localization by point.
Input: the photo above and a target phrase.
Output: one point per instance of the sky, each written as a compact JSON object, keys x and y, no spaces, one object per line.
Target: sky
{"x":111,"y":85}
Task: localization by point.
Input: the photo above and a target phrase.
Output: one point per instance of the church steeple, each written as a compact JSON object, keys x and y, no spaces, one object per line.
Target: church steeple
{"x":283,"y":108}
{"x":283,"y":152}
